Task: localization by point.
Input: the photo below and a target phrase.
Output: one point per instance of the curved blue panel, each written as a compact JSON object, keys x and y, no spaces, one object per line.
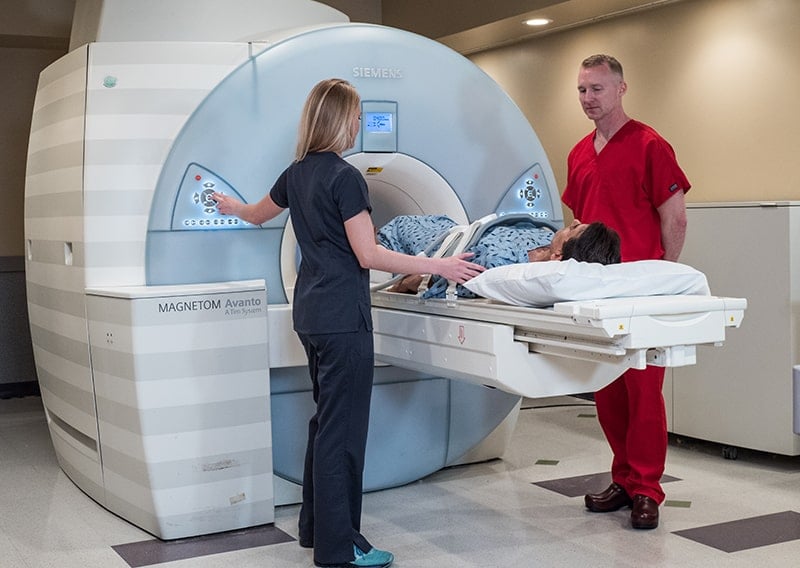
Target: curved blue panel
{"x":419,"y":423}
{"x":474,"y":412}
{"x":449,"y":115}
{"x":195,"y":208}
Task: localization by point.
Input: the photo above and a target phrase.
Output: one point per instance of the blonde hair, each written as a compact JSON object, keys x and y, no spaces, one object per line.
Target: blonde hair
{"x":327,"y":115}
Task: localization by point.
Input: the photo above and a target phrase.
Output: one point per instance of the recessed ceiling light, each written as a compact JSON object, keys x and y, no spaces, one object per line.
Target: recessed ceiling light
{"x":538,"y":22}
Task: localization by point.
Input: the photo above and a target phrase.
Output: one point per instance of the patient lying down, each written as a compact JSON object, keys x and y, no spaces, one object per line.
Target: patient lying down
{"x":501,"y":244}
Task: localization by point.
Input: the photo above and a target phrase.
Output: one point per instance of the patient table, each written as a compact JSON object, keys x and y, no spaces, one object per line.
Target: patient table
{"x":570,"y":348}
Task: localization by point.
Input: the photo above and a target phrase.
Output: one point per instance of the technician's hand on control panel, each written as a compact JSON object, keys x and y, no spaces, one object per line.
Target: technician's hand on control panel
{"x":226,"y":204}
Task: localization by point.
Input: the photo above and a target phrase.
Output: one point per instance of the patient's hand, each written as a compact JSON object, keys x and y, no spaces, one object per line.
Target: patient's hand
{"x":408,"y":285}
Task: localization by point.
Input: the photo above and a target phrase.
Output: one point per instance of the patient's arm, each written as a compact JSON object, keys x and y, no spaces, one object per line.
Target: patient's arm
{"x":361,"y":236}
{"x":539,"y":254}
{"x":408,"y":285}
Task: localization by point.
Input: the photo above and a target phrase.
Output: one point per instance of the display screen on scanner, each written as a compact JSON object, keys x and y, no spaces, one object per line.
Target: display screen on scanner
{"x":378,"y":122}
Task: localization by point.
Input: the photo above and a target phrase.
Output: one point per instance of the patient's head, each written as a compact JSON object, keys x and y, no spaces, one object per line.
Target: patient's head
{"x":583,"y":242}
{"x":571,"y":231}
{"x":594,"y":243}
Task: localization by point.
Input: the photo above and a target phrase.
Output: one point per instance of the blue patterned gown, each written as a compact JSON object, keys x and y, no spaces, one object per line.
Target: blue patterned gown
{"x":500,"y":244}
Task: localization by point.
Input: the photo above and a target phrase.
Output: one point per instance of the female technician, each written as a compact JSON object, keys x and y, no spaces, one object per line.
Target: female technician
{"x":330,"y":212}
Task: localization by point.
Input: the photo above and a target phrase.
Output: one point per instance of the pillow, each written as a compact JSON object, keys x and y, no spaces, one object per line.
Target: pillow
{"x":545,"y":283}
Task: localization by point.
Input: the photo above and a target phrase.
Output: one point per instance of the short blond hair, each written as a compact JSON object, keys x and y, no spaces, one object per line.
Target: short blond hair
{"x":327,"y":115}
{"x":603,"y":59}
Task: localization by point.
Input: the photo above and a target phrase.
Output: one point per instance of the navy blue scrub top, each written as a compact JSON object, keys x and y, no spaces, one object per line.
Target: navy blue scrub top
{"x":331,"y":294}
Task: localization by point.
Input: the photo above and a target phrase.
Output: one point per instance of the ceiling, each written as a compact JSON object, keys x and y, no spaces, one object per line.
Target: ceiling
{"x":474,"y":25}
{"x":467,"y":26}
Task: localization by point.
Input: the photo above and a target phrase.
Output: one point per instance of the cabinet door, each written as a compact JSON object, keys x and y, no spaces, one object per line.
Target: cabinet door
{"x":741,"y":394}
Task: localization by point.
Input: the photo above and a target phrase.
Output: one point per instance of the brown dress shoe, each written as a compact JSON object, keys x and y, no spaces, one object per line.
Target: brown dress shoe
{"x":645,"y":513}
{"x":613,"y":498}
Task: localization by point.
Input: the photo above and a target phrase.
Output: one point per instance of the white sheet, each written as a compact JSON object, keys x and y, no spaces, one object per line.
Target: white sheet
{"x":545,"y":283}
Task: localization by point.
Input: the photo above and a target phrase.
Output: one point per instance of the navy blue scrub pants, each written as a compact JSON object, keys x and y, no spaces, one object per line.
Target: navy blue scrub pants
{"x":341,"y":367}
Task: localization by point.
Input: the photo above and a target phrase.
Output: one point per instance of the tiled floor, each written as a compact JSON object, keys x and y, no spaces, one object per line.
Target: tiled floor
{"x":524,"y":510}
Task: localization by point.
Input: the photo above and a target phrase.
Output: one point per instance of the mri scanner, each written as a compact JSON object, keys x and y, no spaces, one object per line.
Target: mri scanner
{"x":175,"y":390}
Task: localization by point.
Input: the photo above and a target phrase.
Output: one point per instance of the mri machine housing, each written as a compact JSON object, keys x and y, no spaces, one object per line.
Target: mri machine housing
{"x":424,"y":106}
{"x":127,"y":141}
{"x":126,"y":138}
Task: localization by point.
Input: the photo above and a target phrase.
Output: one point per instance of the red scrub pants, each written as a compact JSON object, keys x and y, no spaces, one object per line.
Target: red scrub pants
{"x":632,"y":414}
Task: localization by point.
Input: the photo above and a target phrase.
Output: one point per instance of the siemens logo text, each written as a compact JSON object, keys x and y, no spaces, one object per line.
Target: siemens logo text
{"x":377,"y":73}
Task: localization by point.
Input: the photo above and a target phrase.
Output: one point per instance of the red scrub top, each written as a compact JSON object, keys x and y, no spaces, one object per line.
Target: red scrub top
{"x":623,"y":186}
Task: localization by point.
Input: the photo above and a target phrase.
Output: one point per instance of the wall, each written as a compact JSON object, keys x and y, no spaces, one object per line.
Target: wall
{"x":32,"y":35}
{"x":718,"y":78}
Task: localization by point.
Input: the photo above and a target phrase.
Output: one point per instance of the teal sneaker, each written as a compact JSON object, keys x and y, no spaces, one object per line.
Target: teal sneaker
{"x":373,"y":559}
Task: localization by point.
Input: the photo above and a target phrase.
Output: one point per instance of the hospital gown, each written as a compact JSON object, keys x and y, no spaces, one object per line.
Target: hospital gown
{"x":499,"y":245}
